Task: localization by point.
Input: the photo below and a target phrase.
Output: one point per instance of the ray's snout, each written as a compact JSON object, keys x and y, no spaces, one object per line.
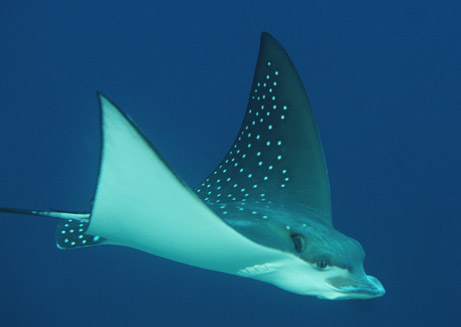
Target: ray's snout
{"x":357,"y":287}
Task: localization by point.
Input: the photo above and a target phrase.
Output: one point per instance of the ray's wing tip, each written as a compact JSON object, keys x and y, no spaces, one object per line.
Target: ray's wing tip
{"x":266,"y":37}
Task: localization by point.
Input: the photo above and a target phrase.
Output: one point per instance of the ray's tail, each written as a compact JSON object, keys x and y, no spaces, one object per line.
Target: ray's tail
{"x":70,"y":233}
{"x":83,"y":217}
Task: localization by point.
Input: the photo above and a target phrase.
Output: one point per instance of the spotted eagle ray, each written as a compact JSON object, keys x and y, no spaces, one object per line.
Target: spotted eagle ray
{"x":263,"y":213}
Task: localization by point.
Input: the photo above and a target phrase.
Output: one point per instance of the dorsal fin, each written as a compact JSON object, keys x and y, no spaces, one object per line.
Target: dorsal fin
{"x":277,"y":157}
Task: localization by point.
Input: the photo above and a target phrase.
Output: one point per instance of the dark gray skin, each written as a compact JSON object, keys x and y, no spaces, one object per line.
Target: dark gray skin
{"x":311,"y":239}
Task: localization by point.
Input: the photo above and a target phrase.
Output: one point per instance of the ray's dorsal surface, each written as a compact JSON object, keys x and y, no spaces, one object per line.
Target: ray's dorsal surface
{"x":264,"y":213}
{"x":275,"y":171}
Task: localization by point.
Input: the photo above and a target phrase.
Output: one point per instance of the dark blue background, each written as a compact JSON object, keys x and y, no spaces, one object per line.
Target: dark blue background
{"x":384,"y":79}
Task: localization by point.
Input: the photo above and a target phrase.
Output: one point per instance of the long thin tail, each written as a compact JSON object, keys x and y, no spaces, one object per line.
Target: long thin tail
{"x":83,"y":217}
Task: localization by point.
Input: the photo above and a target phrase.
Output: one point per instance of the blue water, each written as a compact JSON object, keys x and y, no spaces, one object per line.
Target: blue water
{"x":384,"y":80}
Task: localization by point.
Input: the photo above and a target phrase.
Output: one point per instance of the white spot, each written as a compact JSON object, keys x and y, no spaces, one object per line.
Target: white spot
{"x":274,"y":107}
{"x":275,"y":83}
{"x":63,"y":232}
{"x":262,"y":107}
{"x":258,"y":154}
{"x":288,"y":227}
{"x":270,"y":90}
{"x":268,"y":63}
{"x":284,"y":171}
{"x":282,"y":117}
{"x":266,"y":178}
{"x":269,"y":127}
{"x":279,"y":143}
{"x":235,"y":185}
{"x":254,"y":212}
{"x":244,"y":155}
{"x":285,"y":107}
{"x":241,"y":170}
{"x":264,"y":217}
{"x":276,"y":72}
{"x":80,"y":236}
{"x":273,"y":98}
{"x":268,"y":113}
{"x":270,"y":167}
{"x":260,"y":163}
{"x":268,"y":143}
{"x":96,"y":238}
{"x":66,"y":240}
{"x":286,"y":179}
{"x":71,"y":231}
{"x":262,"y":195}
{"x":282,"y":186}
{"x":255,"y":186}
{"x":267,"y":76}
{"x":250,"y":175}
{"x":279,"y":157}
{"x":249,"y":145}
{"x":84,"y":242}
{"x":72,"y":243}
{"x":261,"y":120}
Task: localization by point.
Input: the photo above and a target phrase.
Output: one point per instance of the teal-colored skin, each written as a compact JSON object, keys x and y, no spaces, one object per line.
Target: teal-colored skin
{"x":263,"y":213}
{"x":273,"y":184}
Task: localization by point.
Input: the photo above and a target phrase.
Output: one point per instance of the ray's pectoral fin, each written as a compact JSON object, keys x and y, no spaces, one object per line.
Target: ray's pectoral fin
{"x":70,"y":234}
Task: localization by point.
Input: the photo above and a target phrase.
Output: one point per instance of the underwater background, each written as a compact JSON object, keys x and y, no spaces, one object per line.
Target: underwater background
{"x":384,"y":81}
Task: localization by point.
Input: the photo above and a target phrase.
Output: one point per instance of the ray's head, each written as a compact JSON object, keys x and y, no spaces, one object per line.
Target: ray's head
{"x":331,"y":265}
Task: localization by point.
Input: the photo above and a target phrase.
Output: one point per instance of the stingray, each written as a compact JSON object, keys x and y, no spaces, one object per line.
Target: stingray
{"x":263,"y":213}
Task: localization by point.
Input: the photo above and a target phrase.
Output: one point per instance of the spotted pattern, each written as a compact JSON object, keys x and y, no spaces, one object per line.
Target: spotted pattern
{"x":254,"y":169}
{"x":70,"y":234}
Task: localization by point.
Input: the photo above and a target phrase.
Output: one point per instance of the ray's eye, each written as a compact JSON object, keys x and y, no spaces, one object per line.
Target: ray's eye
{"x":298,"y":242}
{"x":321,"y":264}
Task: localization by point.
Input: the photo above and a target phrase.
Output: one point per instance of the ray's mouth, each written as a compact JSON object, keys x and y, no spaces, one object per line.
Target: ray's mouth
{"x":362,"y":287}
